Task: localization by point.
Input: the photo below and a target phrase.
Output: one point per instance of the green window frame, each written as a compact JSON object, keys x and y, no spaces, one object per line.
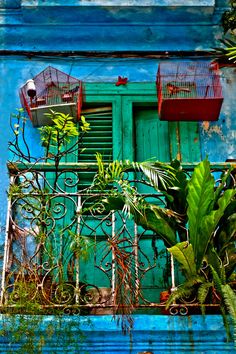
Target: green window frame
{"x":183,"y":137}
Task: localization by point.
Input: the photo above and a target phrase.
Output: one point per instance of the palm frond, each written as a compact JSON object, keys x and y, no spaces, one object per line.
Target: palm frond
{"x":160,"y":175}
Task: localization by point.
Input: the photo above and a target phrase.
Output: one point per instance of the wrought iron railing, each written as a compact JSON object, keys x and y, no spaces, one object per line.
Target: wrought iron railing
{"x":90,"y":262}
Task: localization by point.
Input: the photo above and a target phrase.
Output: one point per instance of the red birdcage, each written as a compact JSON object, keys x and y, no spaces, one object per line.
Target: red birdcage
{"x":189,"y":91}
{"x":51,"y":89}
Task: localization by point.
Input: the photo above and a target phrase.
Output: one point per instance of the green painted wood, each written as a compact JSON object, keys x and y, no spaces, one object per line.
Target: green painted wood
{"x":190,"y":149}
{"x":174,"y":141}
{"x":98,"y":140}
{"x":216,"y":166}
{"x":14,"y":168}
{"x":95,"y":97}
{"x":131,"y":88}
{"x":117,"y":125}
{"x":151,"y":136}
{"x":128,"y":143}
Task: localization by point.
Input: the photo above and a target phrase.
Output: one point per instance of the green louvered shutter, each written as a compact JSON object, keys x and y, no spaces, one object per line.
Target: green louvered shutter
{"x":98,"y":139}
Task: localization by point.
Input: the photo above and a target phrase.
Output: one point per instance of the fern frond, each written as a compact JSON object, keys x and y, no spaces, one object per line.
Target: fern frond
{"x":230,"y":300}
{"x":202,"y":293}
{"x":181,"y":292}
{"x":217,"y":280}
{"x":185,"y":290}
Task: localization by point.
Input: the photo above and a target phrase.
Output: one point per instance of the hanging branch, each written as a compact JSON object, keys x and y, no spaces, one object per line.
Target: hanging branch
{"x":19,"y":130}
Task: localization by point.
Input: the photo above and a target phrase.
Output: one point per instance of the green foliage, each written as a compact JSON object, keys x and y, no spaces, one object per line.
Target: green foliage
{"x":204,"y":209}
{"x":226,"y":245}
{"x":228,"y":21}
{"x":82,"y":246}
{"x":61,"y":138}
{"x":159,"y":174}
{"x":33,"y":334}
{"x":183,"y":253}
{"x":211,"y":240}
{"x":202,"y":293}
{"x":229,"y":18}
{"x":228,"y":51}
{"x":108,"y":174}
{"x":186,"y":292}
{"x":84,"y":126}
{"x":200,"y":201}
{"x":60,"y":132}
{"x":121,"y":195}
{"x":228,"y":300}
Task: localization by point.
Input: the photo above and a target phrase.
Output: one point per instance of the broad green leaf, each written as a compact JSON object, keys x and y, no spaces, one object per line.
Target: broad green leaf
{"x":183,"y":253}
{"x":208,"y":224}
{"x":154,"y":219}
{"x":150,"y":217}
{"x":200,"y":201}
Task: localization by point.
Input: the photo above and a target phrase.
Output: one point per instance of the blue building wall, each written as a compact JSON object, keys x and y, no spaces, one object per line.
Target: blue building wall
{"x":152,"y":334}
{"x":34,"y":32}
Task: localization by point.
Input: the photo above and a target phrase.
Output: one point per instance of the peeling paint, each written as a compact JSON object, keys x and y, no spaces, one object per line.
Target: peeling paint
{"x":210,"y":129}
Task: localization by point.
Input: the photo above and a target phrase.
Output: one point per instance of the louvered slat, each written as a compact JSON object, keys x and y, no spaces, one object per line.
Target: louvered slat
{"x":99,"y":139}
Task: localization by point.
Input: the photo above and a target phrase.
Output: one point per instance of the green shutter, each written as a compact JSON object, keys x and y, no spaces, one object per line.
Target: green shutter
{"x":98,"y":139}
{"x":151,"y":136}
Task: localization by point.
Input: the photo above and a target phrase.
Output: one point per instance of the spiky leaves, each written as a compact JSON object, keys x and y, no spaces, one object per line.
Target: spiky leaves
{"x":160,"y":175}
{"x":147,"y":215}
{"x":228,"y":300}
{"x":202,"y":217}
{"x":200,"y":201}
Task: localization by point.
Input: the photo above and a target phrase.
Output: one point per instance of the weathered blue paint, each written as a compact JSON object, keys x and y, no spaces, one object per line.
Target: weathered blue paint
{"x":157,"y":334}
{"x":103,"y":25}
{"x":222,"y":134}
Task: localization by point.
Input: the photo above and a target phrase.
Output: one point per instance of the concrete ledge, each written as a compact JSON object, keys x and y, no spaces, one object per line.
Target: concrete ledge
{"x":34,"y":3}
{"x":100,"y":334}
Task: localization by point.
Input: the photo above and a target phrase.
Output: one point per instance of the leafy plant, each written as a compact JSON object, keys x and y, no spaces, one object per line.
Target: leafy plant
{"x":122,"y":195}
{"x":228,"y":52}
{"x":60,"y":138}
{"x":227,"y":299}
{"x":57,"y":137}
{"x":81,"y":245}
{"x":229,"y":18}
{"x":228,"y":21}
{"x":201,"y":257}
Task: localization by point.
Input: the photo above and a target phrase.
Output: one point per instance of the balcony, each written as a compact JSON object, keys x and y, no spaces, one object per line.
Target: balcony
{"x":61,"y":253}
{"x":63,"y":256}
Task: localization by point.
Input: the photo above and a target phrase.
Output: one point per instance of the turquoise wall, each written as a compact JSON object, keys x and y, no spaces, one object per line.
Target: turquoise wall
{"x":152,"y":334}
